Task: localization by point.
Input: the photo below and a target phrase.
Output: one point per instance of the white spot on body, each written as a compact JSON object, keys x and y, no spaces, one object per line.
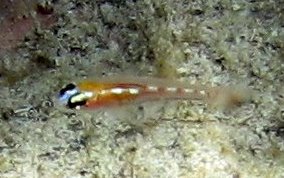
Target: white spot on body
{"x":117,"y":90}
{"x":188,"y":90}
{"x":152,"y":88}
{"x":133,"y":90}
{"x":122,"y":90}
{"x":171,"y":89}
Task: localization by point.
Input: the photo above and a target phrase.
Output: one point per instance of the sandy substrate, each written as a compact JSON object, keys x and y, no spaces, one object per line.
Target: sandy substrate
{"x":222,"y":43}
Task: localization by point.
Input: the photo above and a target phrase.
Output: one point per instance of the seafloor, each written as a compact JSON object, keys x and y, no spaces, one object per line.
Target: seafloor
{"x":47,"y":44}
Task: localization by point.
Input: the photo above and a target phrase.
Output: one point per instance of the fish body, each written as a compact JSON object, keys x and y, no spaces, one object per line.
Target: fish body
{"x":118,"y":91}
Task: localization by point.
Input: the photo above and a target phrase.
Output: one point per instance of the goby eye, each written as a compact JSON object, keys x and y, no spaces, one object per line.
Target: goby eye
{"x":68,"y":87}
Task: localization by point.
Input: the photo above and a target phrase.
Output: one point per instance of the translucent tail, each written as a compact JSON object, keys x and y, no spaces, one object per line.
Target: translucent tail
{"x":228,"y":97}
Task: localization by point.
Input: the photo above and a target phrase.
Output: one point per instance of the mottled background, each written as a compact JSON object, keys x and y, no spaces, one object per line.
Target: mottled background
{"x":46,"y":44}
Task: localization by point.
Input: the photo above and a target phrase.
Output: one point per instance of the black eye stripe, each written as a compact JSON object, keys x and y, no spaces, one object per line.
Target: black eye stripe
{"x":70,"y":86}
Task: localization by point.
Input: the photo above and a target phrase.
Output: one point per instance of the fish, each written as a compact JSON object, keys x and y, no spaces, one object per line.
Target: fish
{"x":118,"y":91}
